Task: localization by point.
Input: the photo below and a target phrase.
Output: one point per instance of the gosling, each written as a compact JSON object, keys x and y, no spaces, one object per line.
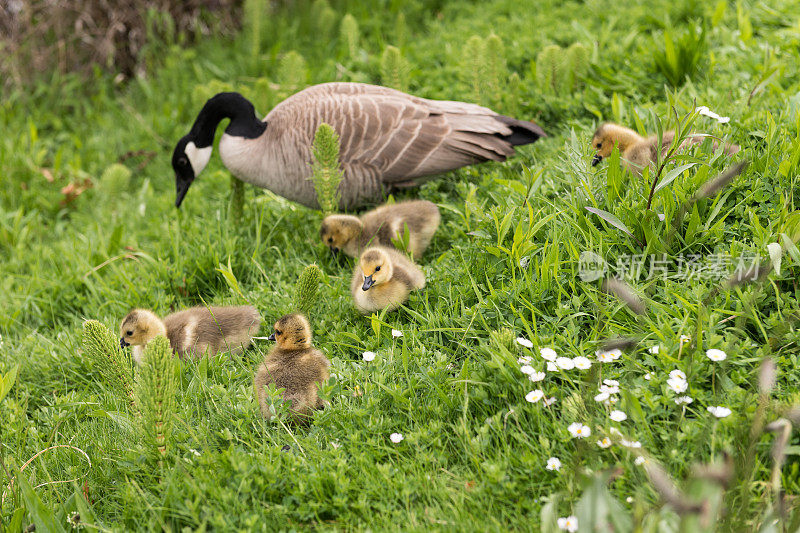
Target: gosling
{"x":193,"y":332}
{"x":383,"y":279}
{"x":380,"y":226}
{"x":293,"y":365}
{"x":637,"y":151}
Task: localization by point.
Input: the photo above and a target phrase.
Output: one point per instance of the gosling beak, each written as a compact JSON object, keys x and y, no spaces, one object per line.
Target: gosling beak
{"x":122,"y":343}
{"x":271,"y":337}
{"x":335,"y":251}
{"x":368,"y":282}
{"x":596,"y":160}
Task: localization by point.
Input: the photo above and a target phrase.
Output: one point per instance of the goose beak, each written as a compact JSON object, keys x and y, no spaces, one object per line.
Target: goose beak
{"x":122,"y":343}
{"x":271,"y":337}
{"x":368,"y":282}
{"x":182,"y":189}
{"x":596,"y":160}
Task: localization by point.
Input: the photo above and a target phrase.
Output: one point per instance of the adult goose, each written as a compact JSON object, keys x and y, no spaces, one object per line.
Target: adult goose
{"x":387,"y":139}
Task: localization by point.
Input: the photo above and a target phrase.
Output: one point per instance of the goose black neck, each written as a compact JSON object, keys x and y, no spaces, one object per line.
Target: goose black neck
{"x":244,"y":122}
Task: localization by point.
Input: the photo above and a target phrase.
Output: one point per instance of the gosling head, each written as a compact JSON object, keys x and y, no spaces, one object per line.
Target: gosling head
{"x":608,"y":136}
{"x":139,"y":327}
{"x":337,"y":230}
{"x":376,"y":267}
{"x":292,"y":332}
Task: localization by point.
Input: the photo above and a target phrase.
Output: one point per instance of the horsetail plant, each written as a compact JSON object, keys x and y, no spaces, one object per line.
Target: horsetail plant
{"x":305,"y":292}
{"x":394,"y":69}
{"x":103,"y":348}
{"x":326,"y":171}
{"x":155,"y":397}
{"x":348,"y":33}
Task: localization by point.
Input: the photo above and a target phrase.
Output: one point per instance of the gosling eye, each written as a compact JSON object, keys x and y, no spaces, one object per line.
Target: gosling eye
{"x":129,"y":332}
{"x":330,"y":240}
{"x":377,"y":268}
{"x":278,"y":332}
{"x":599,"y":145}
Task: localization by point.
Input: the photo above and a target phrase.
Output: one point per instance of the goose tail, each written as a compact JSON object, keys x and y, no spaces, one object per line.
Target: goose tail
{"x":522,"y":131}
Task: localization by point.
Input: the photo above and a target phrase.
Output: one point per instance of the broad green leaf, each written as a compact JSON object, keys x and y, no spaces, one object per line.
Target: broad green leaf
{"x":611,"y":219}
{"x":43,"y":517}
{"x":672,"y":174}
{"x":7,"y":381}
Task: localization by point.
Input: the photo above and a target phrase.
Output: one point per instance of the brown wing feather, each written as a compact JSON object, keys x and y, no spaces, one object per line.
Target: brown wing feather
{"x":393,"y":135}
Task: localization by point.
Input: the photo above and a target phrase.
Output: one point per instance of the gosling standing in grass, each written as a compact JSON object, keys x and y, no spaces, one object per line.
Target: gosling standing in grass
{"x":638,"y":152}
{"x":380,"y":226}
{"x":193,"y":332}
{"x":383,"y":278}
{"x":293,"y":365}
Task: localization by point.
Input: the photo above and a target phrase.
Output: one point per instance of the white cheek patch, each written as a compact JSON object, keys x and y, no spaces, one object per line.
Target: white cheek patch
{"x":198,"y":157}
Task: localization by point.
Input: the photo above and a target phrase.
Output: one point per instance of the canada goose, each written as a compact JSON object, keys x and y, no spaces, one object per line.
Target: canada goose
{"x":387,"y":139}
{"x":638,"y":152}
{"x":192,"y":332}
{"x":378,"y":227}
{"x":293,"y":365}
{"x":383,"y":278}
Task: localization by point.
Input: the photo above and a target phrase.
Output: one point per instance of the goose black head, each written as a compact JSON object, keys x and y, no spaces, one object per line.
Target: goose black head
{"x":188,"y":160}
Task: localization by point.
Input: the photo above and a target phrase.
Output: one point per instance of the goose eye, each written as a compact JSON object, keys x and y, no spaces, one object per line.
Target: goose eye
{"x":377,"y":268}
{"x":129,"y":332}
{"x":183,"y":161}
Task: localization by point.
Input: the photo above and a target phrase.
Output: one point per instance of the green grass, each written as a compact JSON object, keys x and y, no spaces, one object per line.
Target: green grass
{"x":503,"y":264}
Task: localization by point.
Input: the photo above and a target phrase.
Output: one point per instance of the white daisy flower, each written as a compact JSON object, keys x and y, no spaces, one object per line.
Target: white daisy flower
{"x":611,"y":382}
{"x":396,"y":437}
{"x":578,"y":430}
{"x":570,"y":523}
{"x":552,"y":367}
{"x":703,"y":110}
{"x":397,"y":333}
{"x":534,"y":396}
{"x":603,"y":396}
{"x":677,"y":374}
{"x":654,"y":349}
{"x":335,"y":444}
{"x":716,"y":355}
{"x":684,"y":399}
{"x":719,"y":411}
{"x":527,"y":369}
{"x":564,"y":363}
{"x":611,"y":400}
{"x":630,"y":443}
{"x":548,"y":354}
{"x":617,"y":416}
{"x":605,"y":443}
{"x":553,"y":464}
{"x":629,"y":499}
{"x":648,"y":376}
{"x":582,"y":363}
{"x":522,"y":341}
{"x":537,"y":376}
{"x":608,"y":356}
{"x":677,"y":385}
{"x":614,"y":431}
{"x":368,"y":356}
{"x":684,"y":339}
{"x":550,"y":401}
{"x":194,"y":452}
{"x":525,"y":360}
{"x":610,"y":389}
{"x":640,"y":461}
